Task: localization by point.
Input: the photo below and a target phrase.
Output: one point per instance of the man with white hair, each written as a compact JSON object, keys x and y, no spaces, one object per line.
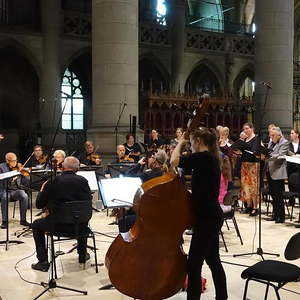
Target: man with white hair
{"x":17,"y":194}
{"x":64,"y":188}
{"x":276,"y":168}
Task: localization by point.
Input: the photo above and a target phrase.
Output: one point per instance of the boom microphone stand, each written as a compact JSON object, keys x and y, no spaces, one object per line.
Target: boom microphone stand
{"x":259,"y":250}
{"x":124,"y":104}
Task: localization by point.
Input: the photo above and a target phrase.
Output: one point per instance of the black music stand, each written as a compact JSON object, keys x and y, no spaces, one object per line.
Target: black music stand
{"x":115,"y":170}
{"x":6,"y":176}
{"x":262,"y":150}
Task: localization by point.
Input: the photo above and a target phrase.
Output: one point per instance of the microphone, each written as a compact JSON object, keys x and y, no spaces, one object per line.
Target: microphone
{"x":266,"y":84}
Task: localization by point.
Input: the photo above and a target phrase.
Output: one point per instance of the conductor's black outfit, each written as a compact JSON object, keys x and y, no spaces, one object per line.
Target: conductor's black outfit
{"x":64,"y":188}
{"x":208,"y":222}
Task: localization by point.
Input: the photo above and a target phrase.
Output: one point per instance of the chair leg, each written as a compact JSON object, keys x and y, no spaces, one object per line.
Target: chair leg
{"x":287,"y":207}
{"x":246,"y":289}
{"x":267,"y":291}
{"x":222,"y":236}
{"x":95,"y":252}
{"x":277,"y":293}
{"x":237,"y":229}
{"x":227,"y":224}
{"x":14,"y":211}
{"x":292,"y":212}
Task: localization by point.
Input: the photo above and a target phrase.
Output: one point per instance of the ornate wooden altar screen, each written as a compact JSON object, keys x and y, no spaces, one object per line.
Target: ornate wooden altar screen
{"x":167,"y":111}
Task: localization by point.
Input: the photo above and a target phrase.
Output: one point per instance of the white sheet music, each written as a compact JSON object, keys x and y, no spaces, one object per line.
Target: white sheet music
{"x":9,"y":174}
{"x":90,"y":176}
{"x":292,"y":159}
{"x":116,"y":192}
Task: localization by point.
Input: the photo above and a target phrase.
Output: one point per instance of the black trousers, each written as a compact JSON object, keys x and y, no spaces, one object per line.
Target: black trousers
{"x":205,"y":246}
{"x":276,"y":188}
{"x":40,"y":226}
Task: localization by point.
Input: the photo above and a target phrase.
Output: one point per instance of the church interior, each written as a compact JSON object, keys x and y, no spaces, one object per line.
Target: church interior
{"x":96,"y":73}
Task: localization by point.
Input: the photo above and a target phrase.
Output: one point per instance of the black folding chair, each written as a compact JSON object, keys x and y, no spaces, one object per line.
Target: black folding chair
{"x":275,"y":273}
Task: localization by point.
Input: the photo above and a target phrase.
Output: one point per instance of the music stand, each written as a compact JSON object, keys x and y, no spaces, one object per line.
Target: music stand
{"x":115,"y":170}
{"x":98,"y":170}
{"x":6,"y":176}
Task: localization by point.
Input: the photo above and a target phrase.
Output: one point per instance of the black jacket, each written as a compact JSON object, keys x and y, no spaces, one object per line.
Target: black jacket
{"x":64,"y":188}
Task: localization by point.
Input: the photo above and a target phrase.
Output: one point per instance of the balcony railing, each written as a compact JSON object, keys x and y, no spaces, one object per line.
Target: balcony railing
{"x":217,"y":25}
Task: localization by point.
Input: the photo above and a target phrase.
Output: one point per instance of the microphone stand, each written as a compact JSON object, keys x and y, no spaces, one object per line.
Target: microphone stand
{"x":119,"y":118}
{"x":259,"y":250}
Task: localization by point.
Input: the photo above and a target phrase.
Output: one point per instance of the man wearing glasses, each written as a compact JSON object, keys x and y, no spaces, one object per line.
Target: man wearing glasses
{"x":14,"y":192}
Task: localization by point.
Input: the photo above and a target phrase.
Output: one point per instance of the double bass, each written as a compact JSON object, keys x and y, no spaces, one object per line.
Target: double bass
{"x":149,"y":264}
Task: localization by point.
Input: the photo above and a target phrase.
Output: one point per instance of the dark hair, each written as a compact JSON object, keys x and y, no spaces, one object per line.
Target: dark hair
{"x":128,"y":136}
{"x":209,"y":139}
{"x":249,"y":125}
{"x":296,"y":130}
{"x":38,"y":146}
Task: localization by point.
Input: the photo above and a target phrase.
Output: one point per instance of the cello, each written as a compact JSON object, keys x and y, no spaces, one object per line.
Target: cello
{"x":149,"y":263}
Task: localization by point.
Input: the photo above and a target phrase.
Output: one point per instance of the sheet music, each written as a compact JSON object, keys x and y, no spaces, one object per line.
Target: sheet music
{"x":90,"y":176}
{"x":292,"y":159}
{"x":9,"y":174}
{"x":116,"y":192}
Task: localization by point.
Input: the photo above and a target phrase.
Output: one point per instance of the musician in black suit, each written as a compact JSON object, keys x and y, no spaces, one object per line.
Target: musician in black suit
{"x":155,"y":141}
{"x":294,"y":149}
{"x":66,"y":187}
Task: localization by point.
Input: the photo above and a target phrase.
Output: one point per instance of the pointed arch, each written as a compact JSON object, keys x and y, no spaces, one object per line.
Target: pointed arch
{"x":246,"y":71}
{"x":23,"y":51}
{"x":198,"y":71}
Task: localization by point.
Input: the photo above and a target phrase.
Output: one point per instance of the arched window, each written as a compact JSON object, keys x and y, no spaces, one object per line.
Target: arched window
{"x":161,"y":11}
{"x":247,"y":88}
{"x":72,"y":102}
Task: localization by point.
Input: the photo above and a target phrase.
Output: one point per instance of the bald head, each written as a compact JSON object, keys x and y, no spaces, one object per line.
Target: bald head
{"x":71,"y":163}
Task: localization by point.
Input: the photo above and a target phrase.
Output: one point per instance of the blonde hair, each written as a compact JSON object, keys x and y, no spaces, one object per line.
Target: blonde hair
{"x":57,"y":152}
{"x":161,"y":158}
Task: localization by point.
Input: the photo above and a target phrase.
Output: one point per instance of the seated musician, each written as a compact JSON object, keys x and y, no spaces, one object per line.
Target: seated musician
{"x":121,"y":158}
{"x":14,"y":191}
{"x":121,"y":155}
{"x":59,"y":156}
{"x":155,"y":141}
{"x":132,"y":149}
{"x":156,"y":166}
{"x":38,"y":157}
{"x":90,"y":156}
{"x":64,"y":188}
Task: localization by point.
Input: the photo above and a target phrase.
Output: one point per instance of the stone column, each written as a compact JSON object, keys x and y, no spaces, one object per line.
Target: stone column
{"x":51,"y":73}
{"x":115,"y":70}
{"x":274,"y":62}
{"x":176,"y":12}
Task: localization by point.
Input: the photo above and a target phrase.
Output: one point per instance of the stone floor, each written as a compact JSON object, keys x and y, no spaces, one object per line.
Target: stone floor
{"x":71,"y":274}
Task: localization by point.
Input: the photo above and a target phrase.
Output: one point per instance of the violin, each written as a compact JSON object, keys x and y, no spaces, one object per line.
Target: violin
{"x":126,"y":158}
{"x":43,"y":159}
{"x":93,"y":157}
{"x":20,"y":168}
{"x":157,"y":235}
